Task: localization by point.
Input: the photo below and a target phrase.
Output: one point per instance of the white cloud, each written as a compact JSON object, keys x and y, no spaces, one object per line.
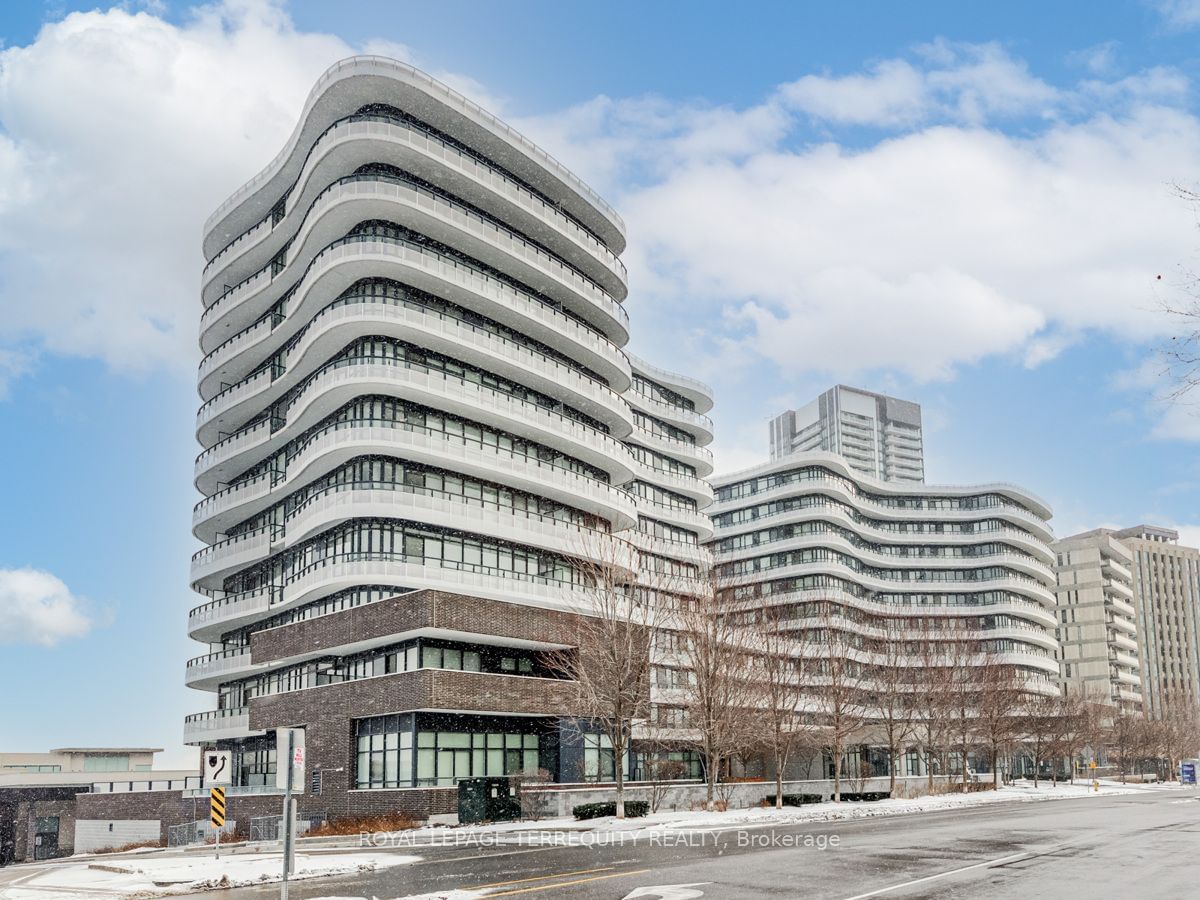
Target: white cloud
{"x":894,"y":92}
{"x":1179,"y":14}
{"x":1099,"y":59}
{"x":37,"y":608}
{"x":14,"y":362}
{"x":930,"y":249}
{"x":943,"y":244}
{"x":121,"y":133}
{"x":951,"y":81}
{"x":1178,"y":421}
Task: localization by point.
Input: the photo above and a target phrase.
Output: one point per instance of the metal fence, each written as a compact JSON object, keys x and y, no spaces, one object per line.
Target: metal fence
{"x":198,"y":832}
{"x":269,"y":828}
{"x":265,"y":828}
{"x":183,"y":835}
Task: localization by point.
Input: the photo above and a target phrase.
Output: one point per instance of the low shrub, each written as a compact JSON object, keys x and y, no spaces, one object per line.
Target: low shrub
{"x":634,"y":809}
{"x":794,"y":799}
{"x":360,"y":824}
{"x":866,"y":796}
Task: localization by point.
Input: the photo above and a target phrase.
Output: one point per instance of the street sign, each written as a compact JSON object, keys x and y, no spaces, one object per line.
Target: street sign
{"x":217,"y":767}
{"x":292,"y":761}
{"x":216,"y":807}
{"x":1187,"y":772}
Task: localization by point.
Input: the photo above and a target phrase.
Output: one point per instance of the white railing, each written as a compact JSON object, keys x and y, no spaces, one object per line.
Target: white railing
{"x":443,"y":93}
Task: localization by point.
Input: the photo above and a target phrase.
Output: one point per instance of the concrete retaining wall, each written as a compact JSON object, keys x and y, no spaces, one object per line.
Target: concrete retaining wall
{"x":100,"y":834}
{"x":739,"y":795}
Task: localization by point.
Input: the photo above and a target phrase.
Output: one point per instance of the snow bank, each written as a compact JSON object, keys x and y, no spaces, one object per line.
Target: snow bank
{"x":164,"y":876}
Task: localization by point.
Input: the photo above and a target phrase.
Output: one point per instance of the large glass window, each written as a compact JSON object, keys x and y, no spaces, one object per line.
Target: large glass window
{"x":422,"y":653}
{"x":106,"y":762}
{"x":385,"y":754}
{"x":392,"y":539}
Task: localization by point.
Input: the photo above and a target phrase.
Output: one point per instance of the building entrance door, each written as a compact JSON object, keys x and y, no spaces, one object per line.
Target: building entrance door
{"x":45,"y":837}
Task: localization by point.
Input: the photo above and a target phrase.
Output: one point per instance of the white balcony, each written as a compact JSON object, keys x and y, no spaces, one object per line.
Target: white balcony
{"x":218,"y":725}
{"x":208,"y":671}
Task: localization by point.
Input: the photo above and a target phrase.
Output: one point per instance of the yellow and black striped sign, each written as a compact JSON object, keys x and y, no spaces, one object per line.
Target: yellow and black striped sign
{"x":216,"y":807}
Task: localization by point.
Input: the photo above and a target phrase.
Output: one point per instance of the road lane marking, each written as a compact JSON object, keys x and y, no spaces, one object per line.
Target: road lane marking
{"x":1003,"y":860}
{"x":480,"y":887}
{"x":563,"y":884}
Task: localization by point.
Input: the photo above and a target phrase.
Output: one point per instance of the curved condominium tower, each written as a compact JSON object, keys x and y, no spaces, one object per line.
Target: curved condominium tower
{"x":893,"y":558}
{"x":417,"y":419}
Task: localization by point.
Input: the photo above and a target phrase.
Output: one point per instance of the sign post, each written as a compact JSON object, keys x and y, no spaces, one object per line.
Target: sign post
{"x":289,"y":772}
{"x":216,"y":813}
{"x":1095,"y":780}
{"x":216,"y":770}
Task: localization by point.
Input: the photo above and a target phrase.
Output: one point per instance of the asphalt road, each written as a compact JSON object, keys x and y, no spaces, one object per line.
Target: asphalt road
{"x":1130,"y":847}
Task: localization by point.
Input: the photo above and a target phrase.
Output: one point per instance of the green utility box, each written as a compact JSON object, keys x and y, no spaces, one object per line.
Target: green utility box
{"x":487,"y":800}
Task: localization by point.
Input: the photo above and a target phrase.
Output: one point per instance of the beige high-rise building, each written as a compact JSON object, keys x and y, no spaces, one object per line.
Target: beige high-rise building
{"x":1097,"y":627}
{"x":877,"y":435}
{"x":1166,"y":588}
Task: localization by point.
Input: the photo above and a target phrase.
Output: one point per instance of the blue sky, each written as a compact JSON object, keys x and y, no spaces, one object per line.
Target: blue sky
{"x":968,"y":205}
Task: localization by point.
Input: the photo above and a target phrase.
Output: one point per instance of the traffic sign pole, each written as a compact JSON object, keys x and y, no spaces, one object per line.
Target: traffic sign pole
{"x":286,"y":822}
{"x":216,"y":813}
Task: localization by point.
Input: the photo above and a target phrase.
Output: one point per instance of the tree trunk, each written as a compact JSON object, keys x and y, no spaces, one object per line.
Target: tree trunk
{"x":710,"y":803}
{"x":837,"y":776}
{"x":962,"y":755}
{"x":892,"y":762}
{"x":995,"y":768}
{"x":619,"y":772}
{"x":778,"y":780}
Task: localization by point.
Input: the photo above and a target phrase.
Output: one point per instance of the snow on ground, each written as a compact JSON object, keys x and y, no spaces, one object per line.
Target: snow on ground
{"x":144,"y":876}
{"x":547,"y":830}
{"x":831,"y":812}
{"x":160,"y":877}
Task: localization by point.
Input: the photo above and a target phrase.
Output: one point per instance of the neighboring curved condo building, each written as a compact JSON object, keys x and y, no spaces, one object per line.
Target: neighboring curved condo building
{"x":418,"y":422}
{"x":808,"y":527}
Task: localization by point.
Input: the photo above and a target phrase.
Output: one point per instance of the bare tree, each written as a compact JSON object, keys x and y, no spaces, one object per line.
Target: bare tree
{"x":1001,"y":692}
{"x":1121,"y":738}
{"x":1179,"y":730}
{"x":1076,"y":726}
{"x":778,"y":667}
{"x":658,"y":766}
{"x":531,"y":795}
{"x":959,"y":686}
{"x":930,"y":695}
{"x":1181,"y":353}
{"x":721,"y":690}
{"x":609,"y":668}
{"x":1039,"y":724}
{"x":1144,"y":743}
{"x":840,"y":684}
{"x":891,"y":700}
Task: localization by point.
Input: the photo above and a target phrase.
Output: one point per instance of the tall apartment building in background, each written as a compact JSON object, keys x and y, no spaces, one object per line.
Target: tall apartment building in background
{"x":810,"y":529}
{"x":878,"y":435}
{"x":418,"y":425}
{"x":1166,"y":594}
{"x":1097,"y":627}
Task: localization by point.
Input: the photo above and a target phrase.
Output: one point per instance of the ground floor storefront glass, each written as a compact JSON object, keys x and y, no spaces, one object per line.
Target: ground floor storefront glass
{"x":430,"y":750}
